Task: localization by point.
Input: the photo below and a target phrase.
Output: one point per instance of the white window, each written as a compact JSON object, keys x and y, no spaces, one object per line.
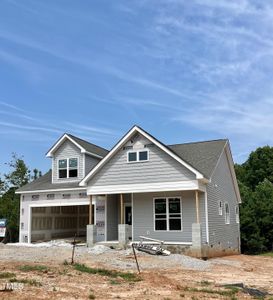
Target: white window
{"x":68,"y":168}
{"x":220,"y":208}
{"x":227,"y":214}
{"x":237,"y":216}
{"x":167,"y":214}
{"x":137,"y":156}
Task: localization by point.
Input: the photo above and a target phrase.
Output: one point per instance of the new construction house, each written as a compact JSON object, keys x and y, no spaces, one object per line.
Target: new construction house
{"x":184,"y":194}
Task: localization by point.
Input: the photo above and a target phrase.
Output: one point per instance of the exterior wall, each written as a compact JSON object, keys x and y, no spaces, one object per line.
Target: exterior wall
{"x":27,"y":202}
{"x":221,"y":235}
{"x":160,"y":167}
{"x":112,"y":217}
{"x":90,"y":162}
{"x":143,"y":217}
{"x":67,"y":150}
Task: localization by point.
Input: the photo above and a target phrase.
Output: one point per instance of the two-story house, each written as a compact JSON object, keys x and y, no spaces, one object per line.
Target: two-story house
{"x":184,"y":194}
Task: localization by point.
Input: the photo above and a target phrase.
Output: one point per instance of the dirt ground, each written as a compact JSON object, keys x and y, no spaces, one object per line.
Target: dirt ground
{"x":43,"y":273}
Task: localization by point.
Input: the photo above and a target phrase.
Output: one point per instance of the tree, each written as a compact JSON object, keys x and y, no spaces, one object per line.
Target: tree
{"x":255,"y":178}
{"x":18,"y":176}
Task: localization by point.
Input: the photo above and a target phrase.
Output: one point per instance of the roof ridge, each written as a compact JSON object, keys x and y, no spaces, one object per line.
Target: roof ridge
{"x":199,"y":142}
{"x":74,"y":136}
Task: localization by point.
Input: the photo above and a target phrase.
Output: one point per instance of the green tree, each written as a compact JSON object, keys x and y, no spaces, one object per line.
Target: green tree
{"x":18,"y":176}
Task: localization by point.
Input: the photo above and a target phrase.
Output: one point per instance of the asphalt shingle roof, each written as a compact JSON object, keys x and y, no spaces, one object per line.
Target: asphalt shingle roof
{"x":203,"y":156}
{"x":44,"y":183}
{"x":89,"y":146}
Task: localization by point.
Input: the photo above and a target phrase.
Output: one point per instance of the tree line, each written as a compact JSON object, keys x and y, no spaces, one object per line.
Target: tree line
{"x":19,"y":174}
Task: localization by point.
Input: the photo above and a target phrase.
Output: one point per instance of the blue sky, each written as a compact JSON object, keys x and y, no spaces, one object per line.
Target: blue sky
{"x":183,"y":70}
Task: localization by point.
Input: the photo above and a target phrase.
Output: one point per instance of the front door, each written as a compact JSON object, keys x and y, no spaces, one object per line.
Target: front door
{"x":128,"y":218}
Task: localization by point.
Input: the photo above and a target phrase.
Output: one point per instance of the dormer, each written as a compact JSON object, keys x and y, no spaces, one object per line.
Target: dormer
{"x":72,"y":158}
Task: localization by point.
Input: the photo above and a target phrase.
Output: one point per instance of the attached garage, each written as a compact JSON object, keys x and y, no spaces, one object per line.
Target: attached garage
{"x":57,"y":222}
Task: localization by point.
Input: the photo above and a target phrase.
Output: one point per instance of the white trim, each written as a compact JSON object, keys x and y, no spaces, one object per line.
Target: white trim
{"x":68,"y":168}
{"x":167,"y":214}
{"x":29,"y":224}
{"x":137,"y":155}
{"x":123,"y":140}
{"x":237,"y":214}
{"x":207,"y":217}
{"x":60,"y":141}
{"x":75,"y":203}
{"x":146,"y":187}
{"x":51,"y":190}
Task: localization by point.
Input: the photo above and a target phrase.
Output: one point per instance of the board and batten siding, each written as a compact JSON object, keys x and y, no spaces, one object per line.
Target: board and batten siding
{"x":143,"y":216}
{"x":221,"y":188}
{"x":160,"y":167}
{"x":67,"y":150}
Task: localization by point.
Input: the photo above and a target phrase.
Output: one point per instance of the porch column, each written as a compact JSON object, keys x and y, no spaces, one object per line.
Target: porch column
{"x":91,"y":229}
{"x":197,"y":207}
{"x":121,"y":209}
{"x":123,"y":229}
{"x":90,"y":211}
{"x":197,"y":230}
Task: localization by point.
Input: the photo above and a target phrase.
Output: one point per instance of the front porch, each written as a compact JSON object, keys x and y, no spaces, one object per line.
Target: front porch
{"x":176,"y":217}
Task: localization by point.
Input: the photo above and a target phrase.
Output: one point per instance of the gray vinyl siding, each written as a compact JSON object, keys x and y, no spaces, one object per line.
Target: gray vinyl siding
{"x":67,"y":150}
{"x":143,"y":216}
{"x":90,"y":162}
{"x":161,"y":167}
{"x":221,"y":188}
{"x":112,"y":217}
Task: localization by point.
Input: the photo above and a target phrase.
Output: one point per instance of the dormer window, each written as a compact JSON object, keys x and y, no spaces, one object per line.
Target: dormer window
{"x":68,"y":168}
{"x":137,"y":156}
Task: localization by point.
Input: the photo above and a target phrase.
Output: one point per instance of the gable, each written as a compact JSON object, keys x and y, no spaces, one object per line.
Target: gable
{"x":160,"y":167}
{"x":67,"y":150}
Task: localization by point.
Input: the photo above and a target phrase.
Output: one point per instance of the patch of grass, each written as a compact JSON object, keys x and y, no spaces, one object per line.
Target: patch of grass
{"x":205,"y":282}
{"x":32,"y":282}
{"x":231,"y":292}
{"x":270,"y":254}
{"x":65,"y":262}
{"x":91,"y":296}
{"x":110,"y":273}
{"x":114,"y":282}
{"x":7,"y":275}
{"x":29,"y":268}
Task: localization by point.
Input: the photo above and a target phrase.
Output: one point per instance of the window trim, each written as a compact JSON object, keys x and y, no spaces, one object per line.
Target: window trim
{"x":227,"y":221}
{"x":137,"y":155}
{"x":67,"y":168}
{"x":237,"y":214}
{"x":220,"y":208}
{"x":167,"y":213}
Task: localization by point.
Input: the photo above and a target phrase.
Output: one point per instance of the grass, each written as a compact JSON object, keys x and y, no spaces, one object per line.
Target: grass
{"x":29,"y":268}
{"x":270,"y":254}
{"x":205,"y":283}
{"x":231,"y":292}
{"x":7,"y":275}
{"x":104,"y":272}
{"x":32,"y":282}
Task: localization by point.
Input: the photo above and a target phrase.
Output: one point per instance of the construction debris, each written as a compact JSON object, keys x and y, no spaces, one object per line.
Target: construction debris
{"x":154,"y":248}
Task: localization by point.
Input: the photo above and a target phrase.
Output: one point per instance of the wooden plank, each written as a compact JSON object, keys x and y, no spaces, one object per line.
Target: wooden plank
{"x":197,"y":207}
{"x":121,"y":209}
{"x":90,"y":211}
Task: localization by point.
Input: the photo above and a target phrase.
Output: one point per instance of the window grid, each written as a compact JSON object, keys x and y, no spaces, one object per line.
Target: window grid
{"x":139,"y":156}
{"x":227,"y":214}
{"x":169,"y":216}
{"x":68,"y":167}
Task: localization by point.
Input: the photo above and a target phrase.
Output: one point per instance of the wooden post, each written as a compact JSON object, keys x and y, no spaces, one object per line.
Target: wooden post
{"x":90,"y":211}
{"x":121,"y":209}
{"x":197,"y":207}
